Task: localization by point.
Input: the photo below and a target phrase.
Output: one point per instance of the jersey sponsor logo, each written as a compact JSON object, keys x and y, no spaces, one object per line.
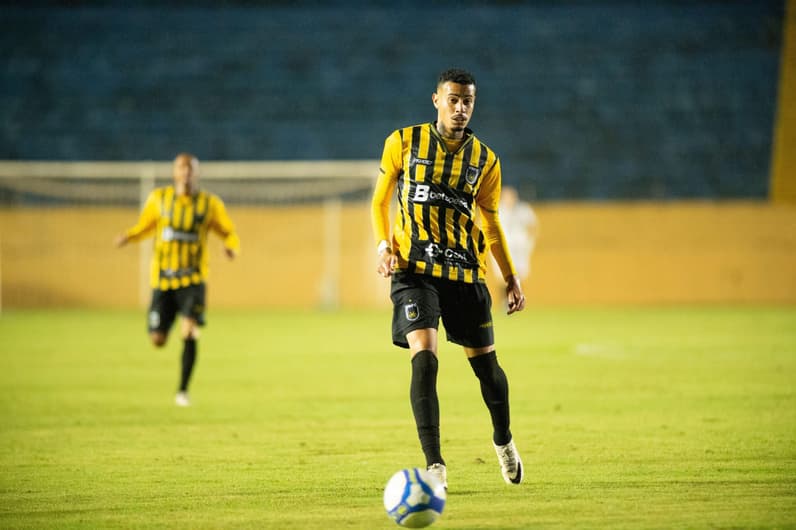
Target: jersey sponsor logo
{"x":412,"y":312}
{"x":178,"y":273}
{"x":472,"y":174}
{"x":433,"y":251}
{"x":421,"y":193}
{"x":436,"y":253}
{"x":170,"y":234}
{"x":424,"y":193}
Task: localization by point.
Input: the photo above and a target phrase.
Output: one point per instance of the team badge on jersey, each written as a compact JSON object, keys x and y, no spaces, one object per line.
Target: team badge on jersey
{"x":412,"y":312}
{"x":472,"y":174}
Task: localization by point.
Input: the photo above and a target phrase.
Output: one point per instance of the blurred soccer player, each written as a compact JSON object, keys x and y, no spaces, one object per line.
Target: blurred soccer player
{"x":521,"y":228}
{"x":179,"y":217}
{"x":436,"y":259}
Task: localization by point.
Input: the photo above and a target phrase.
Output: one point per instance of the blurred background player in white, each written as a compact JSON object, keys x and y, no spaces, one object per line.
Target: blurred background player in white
{"x":179,"y":217}
{"x":521,"y":227}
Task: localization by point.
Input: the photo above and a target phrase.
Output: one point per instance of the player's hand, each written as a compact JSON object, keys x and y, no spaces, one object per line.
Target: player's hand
{"x":514,"y":296}
{"x":387,"y":262}
{"x":120,"y":240}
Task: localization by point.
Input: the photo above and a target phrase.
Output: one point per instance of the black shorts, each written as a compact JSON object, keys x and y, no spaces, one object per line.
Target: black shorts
{"x":188,"y":301}
{"x":419,"y":301}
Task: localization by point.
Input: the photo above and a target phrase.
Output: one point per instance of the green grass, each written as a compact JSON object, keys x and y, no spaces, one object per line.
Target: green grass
{"x":626,"y":418}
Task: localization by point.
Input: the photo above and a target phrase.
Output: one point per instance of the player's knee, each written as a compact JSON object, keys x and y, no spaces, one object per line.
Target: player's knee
{"x":422,"y":339}
{"x":190,"y":329}
{"x":158,"y":339}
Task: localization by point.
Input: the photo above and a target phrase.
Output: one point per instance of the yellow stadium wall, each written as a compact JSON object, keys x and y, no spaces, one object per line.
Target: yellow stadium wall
{"x":665,"y":253}
{"x":587,"y":253}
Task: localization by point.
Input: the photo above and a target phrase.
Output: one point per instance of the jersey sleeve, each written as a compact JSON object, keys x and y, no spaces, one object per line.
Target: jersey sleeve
{"x":488,"y":200}
{"x":389,"y":170}
{"x":222,"y":225}
{"x":147,"y":221}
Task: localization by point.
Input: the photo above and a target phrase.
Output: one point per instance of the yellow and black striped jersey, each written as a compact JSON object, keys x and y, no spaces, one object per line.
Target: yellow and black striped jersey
{"x":435,"y":230}
{"x":180,"y":224}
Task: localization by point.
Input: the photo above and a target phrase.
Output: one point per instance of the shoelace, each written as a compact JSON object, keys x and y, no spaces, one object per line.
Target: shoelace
{"x":508,"y":458}
{"x":436,"y":469}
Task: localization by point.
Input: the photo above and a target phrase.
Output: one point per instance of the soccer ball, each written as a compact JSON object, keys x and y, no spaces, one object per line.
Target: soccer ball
{"x":414,"y":498}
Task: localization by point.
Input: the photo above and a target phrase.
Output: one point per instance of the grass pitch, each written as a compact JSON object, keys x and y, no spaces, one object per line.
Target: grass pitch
{"x":636,"y":418}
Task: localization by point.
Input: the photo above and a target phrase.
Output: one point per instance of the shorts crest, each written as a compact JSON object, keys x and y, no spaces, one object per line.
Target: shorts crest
{"x":412,"y":312}
{"x":154,"y":319}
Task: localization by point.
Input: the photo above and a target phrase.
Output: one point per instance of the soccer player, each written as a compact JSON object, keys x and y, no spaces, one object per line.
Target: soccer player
{"x":180,"y":216}
{"x":436,"y":258}
{"x":521,"y":228}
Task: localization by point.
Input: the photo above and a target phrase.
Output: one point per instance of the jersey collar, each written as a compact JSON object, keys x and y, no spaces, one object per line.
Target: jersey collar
{"x":468,"y":137}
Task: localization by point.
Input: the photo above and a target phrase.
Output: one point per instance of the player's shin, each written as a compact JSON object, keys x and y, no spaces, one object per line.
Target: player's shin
{"x":425,"y":404}
{"x":189,"y":352}
{"x":495,"y":391}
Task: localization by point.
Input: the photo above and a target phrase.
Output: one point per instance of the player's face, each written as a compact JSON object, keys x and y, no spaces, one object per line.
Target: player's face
{"x":454,"y":104}
{"x":186,"y":174}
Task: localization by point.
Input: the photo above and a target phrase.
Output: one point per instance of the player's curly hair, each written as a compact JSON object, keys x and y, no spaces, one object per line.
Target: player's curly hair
{"x":456,"y":75}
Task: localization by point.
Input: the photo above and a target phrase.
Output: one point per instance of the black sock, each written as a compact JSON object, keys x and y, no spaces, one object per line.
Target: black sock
{"x":188,"y":360}
{"x":495,"y":391}
{"x":425,"y":404}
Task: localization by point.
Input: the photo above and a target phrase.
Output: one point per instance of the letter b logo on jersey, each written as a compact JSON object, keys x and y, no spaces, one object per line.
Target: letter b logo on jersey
{"x":421,"y":193}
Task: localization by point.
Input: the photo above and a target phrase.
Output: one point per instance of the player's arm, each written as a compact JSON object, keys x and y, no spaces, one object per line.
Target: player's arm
{"x":488,"y":200}
{"x":146,"y":224}
{"x":223,"y":226}
{"x":389,"y":170}
{"x":488,"y":203}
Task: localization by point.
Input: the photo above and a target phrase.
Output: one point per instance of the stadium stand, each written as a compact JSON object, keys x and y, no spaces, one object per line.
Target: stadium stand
{"x":609,"y":100}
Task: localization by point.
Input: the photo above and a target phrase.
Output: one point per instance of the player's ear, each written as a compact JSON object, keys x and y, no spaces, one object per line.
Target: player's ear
{"x":434,"y":99}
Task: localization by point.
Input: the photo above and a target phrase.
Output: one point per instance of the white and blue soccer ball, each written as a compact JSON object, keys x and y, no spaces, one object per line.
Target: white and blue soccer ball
{"x":414,"y":498}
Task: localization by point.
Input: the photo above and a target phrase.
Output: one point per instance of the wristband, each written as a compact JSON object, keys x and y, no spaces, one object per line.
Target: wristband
{"x":383,"y":245}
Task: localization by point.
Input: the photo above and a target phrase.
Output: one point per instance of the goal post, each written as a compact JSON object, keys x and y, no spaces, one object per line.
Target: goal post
{"x":276,"y":169}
